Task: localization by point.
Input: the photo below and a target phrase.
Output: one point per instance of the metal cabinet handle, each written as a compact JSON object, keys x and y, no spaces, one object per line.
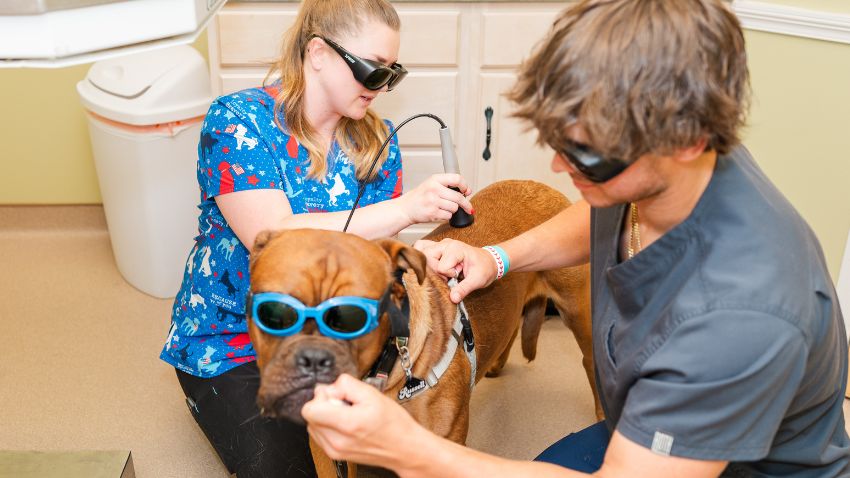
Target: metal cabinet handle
{"x":488,"y":114}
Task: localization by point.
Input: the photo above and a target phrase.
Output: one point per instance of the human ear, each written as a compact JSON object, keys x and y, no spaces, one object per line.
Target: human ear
{"x":316,"y":52}
{"x":693,"y":152}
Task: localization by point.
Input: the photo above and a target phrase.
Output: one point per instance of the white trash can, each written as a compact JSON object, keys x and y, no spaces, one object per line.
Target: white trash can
{"x":145,"y":113}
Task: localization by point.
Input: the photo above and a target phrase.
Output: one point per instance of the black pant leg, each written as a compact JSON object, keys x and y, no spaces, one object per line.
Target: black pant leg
{"x":249,"y":445}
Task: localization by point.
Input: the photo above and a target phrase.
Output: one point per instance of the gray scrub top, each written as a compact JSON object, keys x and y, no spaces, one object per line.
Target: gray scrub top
{"x":723,"y":340}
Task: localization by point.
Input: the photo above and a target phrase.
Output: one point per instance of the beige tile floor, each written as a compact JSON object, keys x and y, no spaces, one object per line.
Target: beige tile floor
{"x":79,"y":367}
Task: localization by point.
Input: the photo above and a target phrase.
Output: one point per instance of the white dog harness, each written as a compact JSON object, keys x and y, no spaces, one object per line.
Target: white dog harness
{"x":462,"y":335}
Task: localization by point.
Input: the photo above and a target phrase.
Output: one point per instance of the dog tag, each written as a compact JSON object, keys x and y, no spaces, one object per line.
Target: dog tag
{"x":411,"y":388}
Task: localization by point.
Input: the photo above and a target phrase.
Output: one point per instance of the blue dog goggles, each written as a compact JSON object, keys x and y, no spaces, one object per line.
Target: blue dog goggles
{"x":345,"y":317}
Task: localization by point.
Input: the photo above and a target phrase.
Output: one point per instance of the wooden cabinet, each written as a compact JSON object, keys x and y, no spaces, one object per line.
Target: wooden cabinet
{"x":461,"y":58}
{"x":508,"y":34}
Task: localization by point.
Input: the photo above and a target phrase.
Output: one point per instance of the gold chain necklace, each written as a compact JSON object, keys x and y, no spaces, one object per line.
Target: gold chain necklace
{"x":634,"y":232}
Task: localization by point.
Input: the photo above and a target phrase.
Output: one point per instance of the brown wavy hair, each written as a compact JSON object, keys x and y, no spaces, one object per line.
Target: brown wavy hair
{"x":639,"y":76}
{"x":359,"y":139}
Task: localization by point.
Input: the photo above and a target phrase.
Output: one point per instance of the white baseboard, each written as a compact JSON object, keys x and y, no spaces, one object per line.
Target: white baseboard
{"x":794,"y":21}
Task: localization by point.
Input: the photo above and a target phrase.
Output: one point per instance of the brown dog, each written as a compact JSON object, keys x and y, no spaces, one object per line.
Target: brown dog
{"x":314,"y":266}
{"x":506,"y":209}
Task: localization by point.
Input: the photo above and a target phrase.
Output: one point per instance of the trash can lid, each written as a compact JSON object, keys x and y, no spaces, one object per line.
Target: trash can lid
{"x":152,"y":87}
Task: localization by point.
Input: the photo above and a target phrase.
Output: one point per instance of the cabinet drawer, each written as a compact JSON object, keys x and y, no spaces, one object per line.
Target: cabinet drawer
{"x":421,"y":92}
{"x":415,"y":232}
{"x":252,"y":37}
{"x":419,"y":165}
{"x":510,"y":36}
{"x":233,"y":81}
{"x":429,"y":38}
{"x":248,"y":37}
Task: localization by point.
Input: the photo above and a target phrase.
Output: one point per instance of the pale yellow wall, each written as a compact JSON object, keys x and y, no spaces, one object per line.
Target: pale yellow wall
{"x":46,"y":156}
{"x":801,"y":117}
{"x":800,"y":129}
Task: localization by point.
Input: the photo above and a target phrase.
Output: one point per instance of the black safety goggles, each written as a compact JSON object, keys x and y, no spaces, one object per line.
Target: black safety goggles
{"x":371,"y":74}
{"x":593,"y":165}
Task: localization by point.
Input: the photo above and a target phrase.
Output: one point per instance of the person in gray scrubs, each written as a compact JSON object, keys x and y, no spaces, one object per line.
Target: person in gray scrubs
{"x":718,"y":340}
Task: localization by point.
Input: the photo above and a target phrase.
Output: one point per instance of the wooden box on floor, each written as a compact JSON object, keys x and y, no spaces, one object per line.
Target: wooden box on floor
{"x":71,"y":464}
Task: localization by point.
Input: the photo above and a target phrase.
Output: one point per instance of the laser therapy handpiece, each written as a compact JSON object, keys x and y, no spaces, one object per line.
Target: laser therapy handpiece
{"x":460,"y":218}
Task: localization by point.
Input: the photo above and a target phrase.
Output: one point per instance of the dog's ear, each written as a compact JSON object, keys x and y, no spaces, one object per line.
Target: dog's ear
{"x":405,"y":257}
{"x":261,"y":241}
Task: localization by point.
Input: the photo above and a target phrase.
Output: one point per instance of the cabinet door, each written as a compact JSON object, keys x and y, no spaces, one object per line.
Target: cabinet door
{"x":514,"y":152}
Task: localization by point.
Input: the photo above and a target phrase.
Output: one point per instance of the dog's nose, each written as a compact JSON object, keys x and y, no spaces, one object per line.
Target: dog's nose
{"x":314,"y":361}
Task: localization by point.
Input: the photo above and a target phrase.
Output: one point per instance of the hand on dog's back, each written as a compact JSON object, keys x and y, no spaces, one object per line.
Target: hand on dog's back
{"x":451,"y":259}
{"x":503,"y":210}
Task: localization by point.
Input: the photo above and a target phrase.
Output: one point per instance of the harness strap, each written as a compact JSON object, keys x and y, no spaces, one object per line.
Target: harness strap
{"x":380,"y":372}
{"x":440,"y":368}
{"x":468,"y":341}
{"x":341,"y":468}
{"x":462,"y":335}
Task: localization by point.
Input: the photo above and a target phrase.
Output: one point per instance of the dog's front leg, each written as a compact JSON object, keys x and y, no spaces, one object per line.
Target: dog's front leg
{"x":325,"y":466}
{"x":460,"y":427}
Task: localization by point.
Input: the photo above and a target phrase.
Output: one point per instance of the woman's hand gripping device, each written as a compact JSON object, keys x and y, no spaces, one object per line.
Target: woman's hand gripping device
{"x":460,"y":218}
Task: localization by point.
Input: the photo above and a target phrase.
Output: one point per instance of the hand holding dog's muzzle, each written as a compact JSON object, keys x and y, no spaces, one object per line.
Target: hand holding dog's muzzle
{"x":353,"y":421}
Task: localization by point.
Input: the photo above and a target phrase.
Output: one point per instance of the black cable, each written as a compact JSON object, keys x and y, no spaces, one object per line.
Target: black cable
{"x":362,"y":188}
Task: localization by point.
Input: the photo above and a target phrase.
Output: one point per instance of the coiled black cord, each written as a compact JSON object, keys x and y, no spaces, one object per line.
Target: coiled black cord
{"x":362,"y":188}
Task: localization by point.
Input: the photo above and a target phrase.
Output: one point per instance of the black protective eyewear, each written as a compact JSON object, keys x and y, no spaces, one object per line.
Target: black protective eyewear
{"x":371,"y":74}
{"x":592,"y":164}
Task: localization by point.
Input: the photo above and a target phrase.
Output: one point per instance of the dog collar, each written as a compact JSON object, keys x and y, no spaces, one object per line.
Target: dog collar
{"x":399,"y":317}
{"x":399,"y":334}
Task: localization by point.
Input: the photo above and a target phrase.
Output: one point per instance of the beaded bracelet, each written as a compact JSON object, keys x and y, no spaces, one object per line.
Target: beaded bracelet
{"x":501,"y":258}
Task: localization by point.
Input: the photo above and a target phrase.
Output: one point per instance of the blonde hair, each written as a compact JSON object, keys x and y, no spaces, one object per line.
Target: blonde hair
{"x":359,"y":139}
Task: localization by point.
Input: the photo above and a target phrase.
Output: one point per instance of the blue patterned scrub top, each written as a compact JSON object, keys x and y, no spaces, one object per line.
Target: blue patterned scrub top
{"x":241,"y":149}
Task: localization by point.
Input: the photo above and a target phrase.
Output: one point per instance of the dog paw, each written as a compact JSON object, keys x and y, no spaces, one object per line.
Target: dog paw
{"x":493,"y":372}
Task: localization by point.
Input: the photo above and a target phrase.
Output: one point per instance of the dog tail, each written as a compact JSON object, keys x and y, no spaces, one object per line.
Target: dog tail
{"x":533,"y":315}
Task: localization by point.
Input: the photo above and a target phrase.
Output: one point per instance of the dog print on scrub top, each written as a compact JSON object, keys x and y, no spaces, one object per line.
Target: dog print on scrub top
{"x":240,"y":149}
